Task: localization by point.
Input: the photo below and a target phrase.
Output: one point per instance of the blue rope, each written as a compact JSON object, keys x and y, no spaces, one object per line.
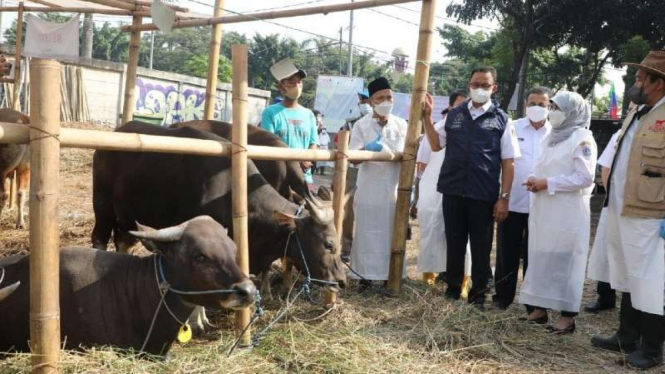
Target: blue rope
{"x":168,"y":286}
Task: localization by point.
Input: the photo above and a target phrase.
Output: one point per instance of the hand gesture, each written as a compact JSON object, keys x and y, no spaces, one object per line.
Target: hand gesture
{"x":375,"y":146}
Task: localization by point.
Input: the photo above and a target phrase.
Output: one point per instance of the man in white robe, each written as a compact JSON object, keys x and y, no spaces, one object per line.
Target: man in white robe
{"x":636,"y":206}
{"x":376,"y":194}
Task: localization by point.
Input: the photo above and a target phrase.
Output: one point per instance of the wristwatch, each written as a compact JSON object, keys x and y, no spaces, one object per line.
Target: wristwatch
{"x":505,"y":196}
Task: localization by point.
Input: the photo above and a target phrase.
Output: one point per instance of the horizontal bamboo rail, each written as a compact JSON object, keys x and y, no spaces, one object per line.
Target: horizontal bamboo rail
{"x":119,"y":141}
{"x":113,"y":12}
{"x":325,"y":9}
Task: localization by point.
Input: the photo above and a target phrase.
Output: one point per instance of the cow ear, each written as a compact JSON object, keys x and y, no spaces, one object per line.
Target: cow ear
{"x":285,"y":220}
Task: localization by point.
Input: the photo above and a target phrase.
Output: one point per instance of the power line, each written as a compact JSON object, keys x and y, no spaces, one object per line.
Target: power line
{"x":447,"y":19}
{"x":393,"y":17}
{"x":285,"y":6}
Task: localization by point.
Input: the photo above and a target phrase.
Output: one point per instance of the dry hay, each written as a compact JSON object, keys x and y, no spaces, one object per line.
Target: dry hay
{"x":368,"y":332}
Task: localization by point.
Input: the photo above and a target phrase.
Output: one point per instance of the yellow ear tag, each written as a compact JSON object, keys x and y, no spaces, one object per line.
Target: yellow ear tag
{"x":185,"y":333}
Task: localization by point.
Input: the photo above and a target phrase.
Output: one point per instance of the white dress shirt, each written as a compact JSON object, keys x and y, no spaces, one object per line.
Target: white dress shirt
{"x":509,"y":146}
{"x":606,"y":158}
{"x":530,"y":145}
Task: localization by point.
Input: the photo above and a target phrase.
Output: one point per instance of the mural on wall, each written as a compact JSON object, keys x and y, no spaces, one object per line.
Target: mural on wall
{"x":163,"y":99}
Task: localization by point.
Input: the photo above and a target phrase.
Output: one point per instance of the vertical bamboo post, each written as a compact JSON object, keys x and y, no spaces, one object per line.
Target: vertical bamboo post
{"x":16,"y":104}
{"x":132,"y":65}
{"x":44,"y":235}
{"x":339,"y":191}
{"x":213,"y":64}
{"x":398,"y":244}
{"x":239,"y":170}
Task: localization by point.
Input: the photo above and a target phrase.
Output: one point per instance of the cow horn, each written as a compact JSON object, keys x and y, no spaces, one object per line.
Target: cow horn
{"x":168,"y":234}
{"x":322,"y":215}
{"x":4,"y":292}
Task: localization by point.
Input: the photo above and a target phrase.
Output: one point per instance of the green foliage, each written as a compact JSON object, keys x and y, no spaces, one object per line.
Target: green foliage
{"x":198,"y":67}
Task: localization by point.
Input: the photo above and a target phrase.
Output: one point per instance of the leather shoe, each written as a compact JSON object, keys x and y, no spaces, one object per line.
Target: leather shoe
{"x":597,"y":306}
{"x":613,"y":343}
{"x":639,"y":359}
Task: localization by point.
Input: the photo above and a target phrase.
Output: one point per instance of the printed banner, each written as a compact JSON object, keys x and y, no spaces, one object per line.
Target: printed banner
{"x":51,"y":40}
{"x":337,"y":98}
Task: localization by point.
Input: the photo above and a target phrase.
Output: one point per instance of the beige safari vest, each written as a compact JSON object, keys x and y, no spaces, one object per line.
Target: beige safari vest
{"x":645,"y":178}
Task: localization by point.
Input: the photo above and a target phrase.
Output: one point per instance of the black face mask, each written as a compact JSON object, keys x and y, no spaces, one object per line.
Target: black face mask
{"x":637,"y":95}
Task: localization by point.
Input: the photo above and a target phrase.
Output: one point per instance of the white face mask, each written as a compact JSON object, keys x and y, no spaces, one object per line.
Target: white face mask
{"x":536,"y":113}
{"x":384,"y":108}
{"x":365,"y":109}
{"x":480,"y":96}
{"x":556,"y":118}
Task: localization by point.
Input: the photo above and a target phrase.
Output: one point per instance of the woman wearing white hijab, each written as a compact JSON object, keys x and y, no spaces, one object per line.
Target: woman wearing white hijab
{"x":559,"y":222}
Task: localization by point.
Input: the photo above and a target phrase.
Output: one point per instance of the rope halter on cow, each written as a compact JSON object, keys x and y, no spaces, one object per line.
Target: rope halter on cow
{"x":164,"y":287}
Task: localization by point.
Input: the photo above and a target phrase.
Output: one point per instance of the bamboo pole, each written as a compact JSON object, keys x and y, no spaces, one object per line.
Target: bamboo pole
{"x":132,"y":65}
{"x":16,"y":104}
{"x":213,"y":64}
{"x":239,"y":172}
{"x":273,"y":14}
{"x":339,"y":192}
{"x":148,"y":4}
{"x":115,"y":12}
{"x":44,"y":217}
{"x":115,"y":4}
{"x":398,"y":244}
{"x":117,"y":141}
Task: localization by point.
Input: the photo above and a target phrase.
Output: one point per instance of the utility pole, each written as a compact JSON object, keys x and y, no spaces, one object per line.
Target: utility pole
{"x":349,"y":69}
{"x":341,"y":29}
{"x":152,"y":46}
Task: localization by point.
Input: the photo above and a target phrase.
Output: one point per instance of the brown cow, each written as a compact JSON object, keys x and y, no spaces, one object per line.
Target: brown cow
{"x":15,"y":157}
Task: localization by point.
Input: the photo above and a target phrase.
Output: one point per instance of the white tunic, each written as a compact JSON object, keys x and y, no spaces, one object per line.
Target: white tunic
{"x":375,"y":198}
{"x":559,"y":225}
{"x":599,"y":268}
{"x":636,"y":252}
{"x":432,"y":255}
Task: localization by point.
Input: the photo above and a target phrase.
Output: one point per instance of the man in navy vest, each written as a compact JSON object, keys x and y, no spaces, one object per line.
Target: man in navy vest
{"x":481,"y":145}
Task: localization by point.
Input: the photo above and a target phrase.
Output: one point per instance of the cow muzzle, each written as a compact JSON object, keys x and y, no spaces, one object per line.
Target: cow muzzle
{"x":243,"y":296}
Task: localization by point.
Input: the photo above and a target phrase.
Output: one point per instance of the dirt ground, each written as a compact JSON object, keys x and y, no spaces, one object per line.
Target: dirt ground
{"x":368,"y":332}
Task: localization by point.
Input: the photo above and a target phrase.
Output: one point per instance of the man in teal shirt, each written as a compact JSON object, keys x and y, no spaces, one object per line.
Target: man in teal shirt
{"x":293,"y":123}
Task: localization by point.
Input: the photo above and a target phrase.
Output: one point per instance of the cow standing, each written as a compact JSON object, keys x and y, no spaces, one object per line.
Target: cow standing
{"x":162,"y":188}
{"x":15,"y":157}
{"x":110,"y":298}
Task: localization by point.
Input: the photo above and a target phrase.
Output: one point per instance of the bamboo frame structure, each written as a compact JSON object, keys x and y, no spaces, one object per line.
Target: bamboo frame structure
{"x":116,"y":4}
{"x":132,"y":66}
{"x":213,"y":64}
{"x":324,"y":9}
{"x":44,"y":217}
{"x":16,"y":104}
{"x":113,"y":12}
{"x":407,"y":171}
{"x":339,"y":192}
{"x":239,"y":172}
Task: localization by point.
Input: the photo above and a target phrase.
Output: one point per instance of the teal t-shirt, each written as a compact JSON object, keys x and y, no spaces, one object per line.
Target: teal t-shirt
{"x":296,"y":127}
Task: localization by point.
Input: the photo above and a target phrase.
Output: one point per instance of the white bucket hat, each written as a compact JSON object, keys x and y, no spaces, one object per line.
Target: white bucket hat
{"x":285,"y":69}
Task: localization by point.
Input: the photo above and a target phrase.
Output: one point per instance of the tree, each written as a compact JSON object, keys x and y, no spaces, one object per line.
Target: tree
{"x":86,"y":36}
{"x":110,"y":43}
{"x":198,"y":67}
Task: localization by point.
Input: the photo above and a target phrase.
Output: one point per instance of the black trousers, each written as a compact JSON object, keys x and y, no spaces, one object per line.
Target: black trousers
{"x":606,"y":295}
{"x":512,"y":243}
{"x":468,"y":219}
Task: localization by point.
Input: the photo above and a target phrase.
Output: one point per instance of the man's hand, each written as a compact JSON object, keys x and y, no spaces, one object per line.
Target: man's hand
{"x":305,"y":165}
{"x":429,"y":106}
{"x":500,"y":210}
{"x":375,"y":146}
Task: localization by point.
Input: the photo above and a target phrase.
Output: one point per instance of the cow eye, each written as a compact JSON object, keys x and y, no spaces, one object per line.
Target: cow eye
{"x":200,"y":258}
{"x":329,"y":245}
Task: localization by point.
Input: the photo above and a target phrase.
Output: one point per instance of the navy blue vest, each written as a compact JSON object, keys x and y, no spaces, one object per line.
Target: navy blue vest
{"x":472,"y":166}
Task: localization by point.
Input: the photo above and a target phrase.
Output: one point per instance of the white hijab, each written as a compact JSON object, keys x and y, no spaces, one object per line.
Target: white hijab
{"x":578,"y":116}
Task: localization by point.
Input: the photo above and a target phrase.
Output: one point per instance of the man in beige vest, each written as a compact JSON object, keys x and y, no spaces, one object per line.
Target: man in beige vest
{"x":636,"y":206}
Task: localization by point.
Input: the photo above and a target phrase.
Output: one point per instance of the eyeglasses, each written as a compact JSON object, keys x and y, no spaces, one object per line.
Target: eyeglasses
{"x":485,"y":86}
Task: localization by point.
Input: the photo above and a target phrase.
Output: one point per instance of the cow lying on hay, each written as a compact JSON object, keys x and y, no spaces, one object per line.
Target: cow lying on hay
{"x":130,"y":302}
